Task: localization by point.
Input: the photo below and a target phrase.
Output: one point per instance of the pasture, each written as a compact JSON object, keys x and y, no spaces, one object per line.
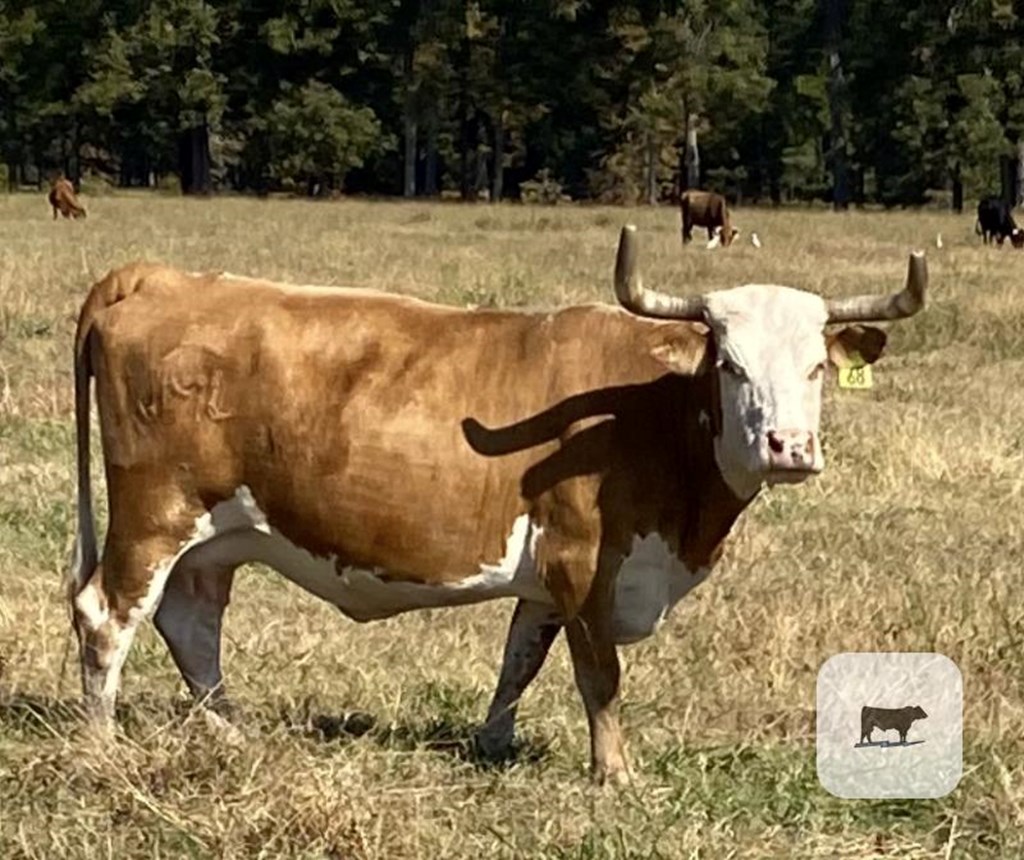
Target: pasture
{"x":355,"y":737}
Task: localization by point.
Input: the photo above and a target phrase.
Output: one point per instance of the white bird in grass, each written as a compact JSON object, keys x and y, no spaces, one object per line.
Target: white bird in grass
{"x":754,"y":240}
{"x":938,"y":240}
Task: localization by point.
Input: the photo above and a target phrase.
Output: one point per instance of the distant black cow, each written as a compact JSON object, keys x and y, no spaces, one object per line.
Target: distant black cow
{"x":995,"y":221}
{"x":888,"y":718}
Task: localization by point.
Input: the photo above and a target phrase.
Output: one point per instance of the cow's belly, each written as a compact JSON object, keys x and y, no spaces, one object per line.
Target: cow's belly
{"x":236,"y":532}
{"x":651,"y":581}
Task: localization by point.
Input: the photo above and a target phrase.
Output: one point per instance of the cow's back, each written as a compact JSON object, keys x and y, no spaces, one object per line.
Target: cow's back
{"x":704,"y":208}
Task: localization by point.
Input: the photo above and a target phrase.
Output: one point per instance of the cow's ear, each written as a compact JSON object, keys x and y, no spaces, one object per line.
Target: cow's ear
{"x":863,"y":342}
{"x":687,"y":355}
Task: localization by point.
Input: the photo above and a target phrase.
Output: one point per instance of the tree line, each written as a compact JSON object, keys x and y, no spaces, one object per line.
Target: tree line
{"x":844,"y":101}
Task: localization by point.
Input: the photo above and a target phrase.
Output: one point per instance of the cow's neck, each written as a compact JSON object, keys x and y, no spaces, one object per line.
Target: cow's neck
{"x":691,"y":504}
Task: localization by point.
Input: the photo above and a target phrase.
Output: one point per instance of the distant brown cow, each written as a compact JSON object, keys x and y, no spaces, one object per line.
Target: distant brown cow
{"x":63,"y":199}
{"x":706,"y":209}
{"x":887,"y":719}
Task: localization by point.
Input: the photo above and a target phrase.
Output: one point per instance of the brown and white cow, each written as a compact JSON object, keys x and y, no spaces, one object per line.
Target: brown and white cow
{"x":706,"y":209}
{"x":63,"y":199}
{"x":387,"y":454}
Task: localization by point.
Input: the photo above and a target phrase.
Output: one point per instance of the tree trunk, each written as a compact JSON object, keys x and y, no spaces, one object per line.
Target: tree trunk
{"x":859,"y":191}
{"x":1020,"y":172}
{"x":689,"y":175}
{"x":194,"y":160}
{"x":409,"y":185}
{"x":958,"y":189}
{"x":465,"y":181}
{"x":430,"y":168}
{"x":124,"y":179}
{"x":834,"y":13}
{"x":1008,"y":179}
{"x":76,"y":156}
{"x":498,"y":177}
{"x":480,"y":185}
{"x":651,"y":169}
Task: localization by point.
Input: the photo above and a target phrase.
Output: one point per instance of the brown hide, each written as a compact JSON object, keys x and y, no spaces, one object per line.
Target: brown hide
{"x":705,"y":209}
{"x":63,"y":199}
{"x":393,"y":433}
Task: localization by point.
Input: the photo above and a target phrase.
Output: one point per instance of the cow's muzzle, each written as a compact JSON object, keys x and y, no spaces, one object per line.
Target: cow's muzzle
{"x":792,"y":454}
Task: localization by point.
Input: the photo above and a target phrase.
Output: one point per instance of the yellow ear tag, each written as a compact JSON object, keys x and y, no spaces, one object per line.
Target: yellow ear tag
{"x":856,"y":374}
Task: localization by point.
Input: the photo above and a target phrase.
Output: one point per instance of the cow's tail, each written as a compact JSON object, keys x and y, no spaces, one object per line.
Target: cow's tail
{"x":115,"y":287}
{"x":84,"y":557}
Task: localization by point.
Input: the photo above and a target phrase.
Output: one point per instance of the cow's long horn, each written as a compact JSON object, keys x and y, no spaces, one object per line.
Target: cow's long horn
{"x":635,"y":297}
{"x":905,"y":303}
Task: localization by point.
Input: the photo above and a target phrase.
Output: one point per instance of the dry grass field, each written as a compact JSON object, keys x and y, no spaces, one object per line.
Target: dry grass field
{"x":355,"y":736}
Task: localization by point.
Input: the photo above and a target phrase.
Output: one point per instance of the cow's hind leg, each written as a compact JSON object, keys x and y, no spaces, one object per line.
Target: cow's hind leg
{"x":107,"y":609}
{"x":103,"y":642}
{"x":189,"y":619}
{"x":531,"y":632}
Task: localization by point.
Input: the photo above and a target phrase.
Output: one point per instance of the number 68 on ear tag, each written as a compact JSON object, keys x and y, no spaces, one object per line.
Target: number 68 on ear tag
{"x":855,"y":377}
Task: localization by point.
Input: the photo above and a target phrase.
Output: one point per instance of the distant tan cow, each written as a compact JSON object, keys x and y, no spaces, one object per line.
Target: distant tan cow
{"x":706,"y":209}
{"x":63,"y":199}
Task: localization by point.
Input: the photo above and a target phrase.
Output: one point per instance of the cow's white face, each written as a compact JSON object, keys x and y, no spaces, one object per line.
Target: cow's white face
{"x":770,"y":359}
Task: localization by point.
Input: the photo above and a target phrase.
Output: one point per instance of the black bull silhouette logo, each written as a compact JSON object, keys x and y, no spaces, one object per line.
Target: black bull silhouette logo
{"x":887,"y":719}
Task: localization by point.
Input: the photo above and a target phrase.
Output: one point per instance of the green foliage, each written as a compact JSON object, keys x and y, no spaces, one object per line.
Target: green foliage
{"x":315,"y":135}
{"x":976,"y":136}
{"x":486,"y":94}
{"x":95,"y":185}
{"x":702,"y":63}
{"x":543,"y":188}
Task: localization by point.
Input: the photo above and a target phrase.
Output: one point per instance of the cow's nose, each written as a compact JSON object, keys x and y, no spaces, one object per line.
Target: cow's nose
{"x":791,"y":449}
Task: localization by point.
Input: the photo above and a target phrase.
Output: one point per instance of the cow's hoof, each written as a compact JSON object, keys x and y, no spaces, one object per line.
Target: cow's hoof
{"x":611,"y":777}
{"x":492,"y":747}
{"x":223,"y":729}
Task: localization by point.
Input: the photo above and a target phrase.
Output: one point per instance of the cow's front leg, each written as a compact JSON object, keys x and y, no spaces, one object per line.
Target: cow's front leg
{"x":533,"y":628}
{"x":596,"y":665}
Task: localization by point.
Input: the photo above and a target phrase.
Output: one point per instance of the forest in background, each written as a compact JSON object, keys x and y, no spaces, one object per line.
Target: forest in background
{"x":844,"y":101}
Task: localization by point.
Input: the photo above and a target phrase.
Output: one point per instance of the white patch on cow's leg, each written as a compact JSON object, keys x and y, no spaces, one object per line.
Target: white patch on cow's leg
{"x":533,"y":628}
{"x":105,"y":636}
{"x":103,"y":643}
{"x":189,"y":620}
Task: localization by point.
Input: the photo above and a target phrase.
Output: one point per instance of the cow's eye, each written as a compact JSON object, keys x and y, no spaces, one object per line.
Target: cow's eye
{"x":817,"y":371}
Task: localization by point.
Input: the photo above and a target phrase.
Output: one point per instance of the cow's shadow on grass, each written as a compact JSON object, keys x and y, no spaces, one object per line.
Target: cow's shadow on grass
{"x":452,"y":736}
{"x":39,"y":716}
{"x":49,"y":717}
